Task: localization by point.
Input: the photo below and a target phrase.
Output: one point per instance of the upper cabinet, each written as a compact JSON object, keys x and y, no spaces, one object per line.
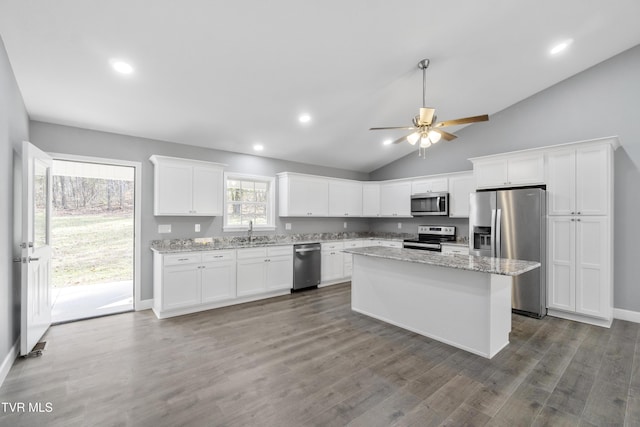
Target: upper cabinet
{"x":395,"y":199}
{"x":184,"y":187}
{"x":579,"y":181}
{"x":345,"y":198}
{"x":509,"y":171}
{"x":302,"y":195}
{"x":460,"y":187}
{"x":429,"y":185}
{"x":371,"y":199}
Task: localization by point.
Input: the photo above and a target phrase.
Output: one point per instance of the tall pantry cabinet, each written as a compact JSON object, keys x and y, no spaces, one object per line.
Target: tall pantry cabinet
{"x":580,"y":231}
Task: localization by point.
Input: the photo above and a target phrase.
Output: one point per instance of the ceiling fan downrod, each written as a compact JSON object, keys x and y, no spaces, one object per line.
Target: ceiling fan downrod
{"x":423,"y":65}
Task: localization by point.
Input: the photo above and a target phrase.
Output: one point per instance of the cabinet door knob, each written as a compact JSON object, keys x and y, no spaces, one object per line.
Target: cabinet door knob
{"x":572,"y":219}
{"x":573,"y":213}
{"x":579,"y":213}
{"x":578,"y":219}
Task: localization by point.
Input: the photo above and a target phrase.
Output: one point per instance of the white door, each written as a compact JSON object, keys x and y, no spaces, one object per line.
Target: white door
{"x":592,"y":267}
{"x":35,"y":307}
{"x":561,"y":292}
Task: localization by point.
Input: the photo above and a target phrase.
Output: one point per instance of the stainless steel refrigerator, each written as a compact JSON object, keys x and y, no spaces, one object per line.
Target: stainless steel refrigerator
{"x":512,"y":224}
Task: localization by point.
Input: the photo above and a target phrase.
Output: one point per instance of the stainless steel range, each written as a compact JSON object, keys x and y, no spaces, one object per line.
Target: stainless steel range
{"x":430,"y":237}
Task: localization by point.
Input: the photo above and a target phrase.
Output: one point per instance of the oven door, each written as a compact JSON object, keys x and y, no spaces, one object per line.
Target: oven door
{"x":430,"y":204}
{"x":435,"y":247}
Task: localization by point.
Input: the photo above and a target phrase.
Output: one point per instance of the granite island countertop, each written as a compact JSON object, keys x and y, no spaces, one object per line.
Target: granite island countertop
{"x":500,"y":266}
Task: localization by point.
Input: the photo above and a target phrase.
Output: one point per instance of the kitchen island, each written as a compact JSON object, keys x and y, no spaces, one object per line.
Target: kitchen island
{"x":461,"y":300}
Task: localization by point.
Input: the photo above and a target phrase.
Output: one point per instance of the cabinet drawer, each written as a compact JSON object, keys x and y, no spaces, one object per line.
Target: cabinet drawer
{"x":280,"y":250}
{"x":453,"y":249}
{"x":187,"y":258}
{"x":330,"y":246}
{"x":353,"y":244}
{"x":252,"y":253}
{"x":219,"y":256}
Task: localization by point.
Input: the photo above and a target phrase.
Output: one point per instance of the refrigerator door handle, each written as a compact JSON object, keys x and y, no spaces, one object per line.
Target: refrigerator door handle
{"x":498,"y":234}
{"x":493,"y":233}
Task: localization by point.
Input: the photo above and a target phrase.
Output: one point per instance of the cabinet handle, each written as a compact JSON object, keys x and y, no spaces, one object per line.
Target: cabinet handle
{"x":579,"y":213}
{"x":572,"y":219}
{"x":183,"y":259}
{"x":573,"y":213}
{"x":578,"y":219}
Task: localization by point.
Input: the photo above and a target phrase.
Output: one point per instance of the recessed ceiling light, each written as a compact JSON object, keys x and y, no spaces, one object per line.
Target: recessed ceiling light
{"x":122,"y":67}
{"x":387,"y":141}
{"x":304,"y":118}
{"x":560,"y":47}
{"x":258,"y":147}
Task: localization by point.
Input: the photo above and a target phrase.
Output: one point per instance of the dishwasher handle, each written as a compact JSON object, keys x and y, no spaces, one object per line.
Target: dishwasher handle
{"x":307,"y":250}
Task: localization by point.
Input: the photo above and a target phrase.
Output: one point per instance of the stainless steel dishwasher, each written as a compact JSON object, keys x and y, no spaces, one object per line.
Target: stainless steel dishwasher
{"x":306,"y":266}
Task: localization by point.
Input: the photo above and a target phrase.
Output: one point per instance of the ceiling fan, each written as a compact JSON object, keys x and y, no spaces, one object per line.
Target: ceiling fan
{"x":424,"y":129}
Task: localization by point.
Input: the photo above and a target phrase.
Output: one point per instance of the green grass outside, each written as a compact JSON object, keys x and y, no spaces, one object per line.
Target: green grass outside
{"x":90,"y":249}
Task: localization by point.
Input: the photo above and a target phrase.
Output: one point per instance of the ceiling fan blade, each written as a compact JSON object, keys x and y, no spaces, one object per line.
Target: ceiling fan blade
{"x":426,"y":115}
{"x":397,"y":127}
{"x":474,"y":119}
{"x":401,"y":139}
{"x":446,"y":135}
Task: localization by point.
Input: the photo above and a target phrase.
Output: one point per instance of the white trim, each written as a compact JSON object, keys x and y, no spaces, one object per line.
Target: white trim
{"x":628,"y":315}
{"x":145,"y":304}
{"x":271,"y":209}
{"x":137,"y":214}
{"x":605,"y":323}
{"x":7,"y":363}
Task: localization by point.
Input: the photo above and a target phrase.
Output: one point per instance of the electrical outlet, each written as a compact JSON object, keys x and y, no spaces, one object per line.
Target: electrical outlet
{"x":345,"y":224}
{"x":164,"y":228}
{"x":287,"y":226}
{"x":197,"y":228}
{"x":399,"y":225}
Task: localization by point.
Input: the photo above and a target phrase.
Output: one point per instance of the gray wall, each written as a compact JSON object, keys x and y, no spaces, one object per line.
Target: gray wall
{"x":71,"y":140}
{"x":601,"y":101}
{"x":14,"y":128}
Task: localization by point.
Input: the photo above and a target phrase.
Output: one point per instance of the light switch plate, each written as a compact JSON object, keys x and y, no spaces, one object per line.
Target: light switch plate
{"x":164,"y":228}
{"x":399,"y":225}
{"x":287,"y":226}
{"x":345,"y":224}
{"x":197,"y":228}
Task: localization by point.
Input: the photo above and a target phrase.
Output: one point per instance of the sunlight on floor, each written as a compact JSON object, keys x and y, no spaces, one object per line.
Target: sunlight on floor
{"x":83,"y":301}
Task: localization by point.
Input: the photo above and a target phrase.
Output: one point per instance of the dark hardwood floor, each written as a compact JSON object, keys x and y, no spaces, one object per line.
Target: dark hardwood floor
{"x":307,"y":360}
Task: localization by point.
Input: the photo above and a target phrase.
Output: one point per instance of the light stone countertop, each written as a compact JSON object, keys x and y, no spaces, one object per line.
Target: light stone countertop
{"x":191,"y":245}
{"x":500,"y":266}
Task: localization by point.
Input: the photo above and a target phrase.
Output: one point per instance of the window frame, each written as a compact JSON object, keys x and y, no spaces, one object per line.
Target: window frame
{"x":271,"y":201}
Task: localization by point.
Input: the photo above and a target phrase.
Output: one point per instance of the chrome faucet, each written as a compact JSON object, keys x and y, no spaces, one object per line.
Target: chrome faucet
{"x":250,"y":231}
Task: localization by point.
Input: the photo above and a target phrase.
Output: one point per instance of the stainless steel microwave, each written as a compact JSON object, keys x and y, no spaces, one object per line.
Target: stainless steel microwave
{"x":430,"y":204}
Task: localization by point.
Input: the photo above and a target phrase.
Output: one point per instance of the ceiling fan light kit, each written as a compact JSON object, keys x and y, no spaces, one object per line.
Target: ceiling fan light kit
{"x":424,"y":129}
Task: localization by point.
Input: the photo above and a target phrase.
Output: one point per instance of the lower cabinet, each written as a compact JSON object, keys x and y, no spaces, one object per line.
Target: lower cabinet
{"x":195,"y":281}
{"x":264,"y":269}
{"x":332,"y":261}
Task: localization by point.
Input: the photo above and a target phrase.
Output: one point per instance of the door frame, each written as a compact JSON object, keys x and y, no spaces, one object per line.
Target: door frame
{"x":138,"y":303}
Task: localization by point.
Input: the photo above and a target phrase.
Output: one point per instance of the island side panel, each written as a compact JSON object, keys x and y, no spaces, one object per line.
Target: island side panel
{"x":450,"y":305}
{"x":500,"y":313}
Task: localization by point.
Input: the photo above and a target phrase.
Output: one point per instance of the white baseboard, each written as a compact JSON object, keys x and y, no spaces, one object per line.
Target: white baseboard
{"x":144,"y":304}
{"x":7,"y":363}
{"x":628,"y":315}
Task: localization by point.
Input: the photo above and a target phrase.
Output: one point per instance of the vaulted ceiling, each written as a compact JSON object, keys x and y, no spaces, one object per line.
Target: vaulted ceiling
{"x":232,"y":74}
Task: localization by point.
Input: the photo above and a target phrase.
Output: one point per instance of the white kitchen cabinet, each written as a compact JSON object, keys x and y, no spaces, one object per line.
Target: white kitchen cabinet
{"x":261,"y":270}
{"x":395,"y":199}
{"x":579,"y":181}
{"x":429,"y":185}
{"x":191,"y":279}
{"x":302,"y":195}
{"x":460,"y":187}
{"x":454,"y":249}
{"x":371,"y":199}
{"x":348,"y":258}
{"x":218,"y":276}
{"x":184,"y":187}
{"x":509,"y":171}
{"x":345,"y":198}
{"x":332,"y":262}
{"x":579,"y":266}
